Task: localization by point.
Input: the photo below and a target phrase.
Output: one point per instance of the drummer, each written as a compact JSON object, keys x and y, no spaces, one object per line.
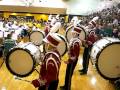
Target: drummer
{"x":73,"y":52}
{"x":91,"y":38}
{"x":48,"y":25}
{"x":53,"y":25}
{"x":49,"y":71}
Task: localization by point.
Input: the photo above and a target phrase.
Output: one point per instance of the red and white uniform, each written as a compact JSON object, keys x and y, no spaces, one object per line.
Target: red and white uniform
{"x":74,"y":49}
{"x":91,"y":38}
{"x":47,"y":30}
{"x":49,"y":69}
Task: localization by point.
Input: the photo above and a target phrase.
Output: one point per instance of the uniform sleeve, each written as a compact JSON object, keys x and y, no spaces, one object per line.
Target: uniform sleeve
{"x":46,"y":30}
{"x":91,"y":39}
{"x":74,"y":52}
{"x":77,"y":49}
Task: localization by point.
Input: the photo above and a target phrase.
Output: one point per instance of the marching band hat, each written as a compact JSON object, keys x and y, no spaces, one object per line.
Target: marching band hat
{"x":93,"y":21}
{"x":52,"y":39}
{"x":77,"y":30}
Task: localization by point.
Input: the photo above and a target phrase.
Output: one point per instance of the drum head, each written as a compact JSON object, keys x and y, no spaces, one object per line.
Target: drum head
{"x":108,"y":61}
{"x":68,"y":34}
{"x":36,"y":37}
{"x":20,"y":62}
{"x":62,"y":47}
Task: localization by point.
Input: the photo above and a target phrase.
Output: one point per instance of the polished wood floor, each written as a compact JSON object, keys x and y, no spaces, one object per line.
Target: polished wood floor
{"x":91,"y":81}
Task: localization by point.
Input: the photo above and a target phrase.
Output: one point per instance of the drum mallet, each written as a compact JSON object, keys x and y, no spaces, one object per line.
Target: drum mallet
{"x":37,"y":71}
{"x":18,"y":78}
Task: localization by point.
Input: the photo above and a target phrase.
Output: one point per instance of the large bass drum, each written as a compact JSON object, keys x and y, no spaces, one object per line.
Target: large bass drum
{"x":21,"y":60}
{"x":62,"y":47}
{"x":106,"y":55}
{"x":68,"y":34}
{"x":36,"y":37}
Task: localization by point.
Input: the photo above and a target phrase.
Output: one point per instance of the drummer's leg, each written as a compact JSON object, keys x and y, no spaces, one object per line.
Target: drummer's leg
{"x":42,"y":88}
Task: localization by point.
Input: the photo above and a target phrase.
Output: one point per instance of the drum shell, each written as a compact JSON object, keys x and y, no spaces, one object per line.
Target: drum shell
{"x":34,"y":55}
{"x":101,"y":66}
{"x":36,"y":40}
{"x":100,"y":45}
{"x":68,"y":34}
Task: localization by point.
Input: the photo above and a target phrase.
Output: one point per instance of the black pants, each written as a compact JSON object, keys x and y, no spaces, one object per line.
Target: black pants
{"x":53,"y":86}
{"x":69,"y":73}
{"x":86,"y":57}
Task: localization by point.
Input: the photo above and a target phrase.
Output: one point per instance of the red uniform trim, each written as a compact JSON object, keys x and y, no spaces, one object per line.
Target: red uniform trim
{"x":94,"y":24}
{"x":53,"y":41}
{"x":77,"y":30}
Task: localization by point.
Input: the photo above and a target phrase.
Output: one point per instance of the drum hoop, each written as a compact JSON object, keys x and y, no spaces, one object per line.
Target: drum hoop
{"x":67,"y":32}
{"x":8,"y":67}
{"x":85,"y":33}
{"x":96,"y":64}
{"x":65,"y":45}
{"x":39,"y":32}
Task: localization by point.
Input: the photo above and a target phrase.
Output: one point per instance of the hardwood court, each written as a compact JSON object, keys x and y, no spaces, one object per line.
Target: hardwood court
{"x":91,"y":81}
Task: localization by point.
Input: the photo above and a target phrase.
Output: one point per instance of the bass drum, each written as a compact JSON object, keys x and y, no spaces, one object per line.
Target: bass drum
{"x":68,"y":34}
{"x":62,"y":47}
{"x":21,"y":60}
{"x":36,"y":37}
{"x":106,"y":55}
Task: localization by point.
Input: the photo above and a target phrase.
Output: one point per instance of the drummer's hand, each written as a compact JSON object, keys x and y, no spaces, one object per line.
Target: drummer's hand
{"x":90,"y":42}
{"x":66,"y":62}
{"x":38,"y":82}
{"x":35,"y":83}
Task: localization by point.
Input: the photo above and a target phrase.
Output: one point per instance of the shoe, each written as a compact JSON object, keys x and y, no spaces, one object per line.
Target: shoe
{"x":83,"y":73}
{"x":62,"y":87}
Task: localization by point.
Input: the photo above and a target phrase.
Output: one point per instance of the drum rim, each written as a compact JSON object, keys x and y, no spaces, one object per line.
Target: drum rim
{"x":39,"y":32}
{"x":8,"y":66}
{"x":73,"y":27}
{"x":65,"y":44}
{"x":96,"y":64}
{"x":63,"y":40}
{"x":67,"y":32}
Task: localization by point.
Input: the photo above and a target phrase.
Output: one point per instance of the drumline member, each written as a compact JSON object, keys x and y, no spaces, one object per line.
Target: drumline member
{"x":73,"y":52}
{"x":91,"y":38}
{"x":74,"y":21}
{"x":53,"y":25}
{"x":49,"y":72}
{"x":47,"y":27}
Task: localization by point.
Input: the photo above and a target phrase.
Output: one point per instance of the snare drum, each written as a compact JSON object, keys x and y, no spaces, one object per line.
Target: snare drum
{"x":106,"y":55}
{"x":62,"y":47}
{"x":36,"y":37}
{"x":68,"y":34}
{"x":21,"y":60}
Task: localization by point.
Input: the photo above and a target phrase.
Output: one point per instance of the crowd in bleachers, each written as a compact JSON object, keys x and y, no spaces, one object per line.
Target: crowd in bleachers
{"x":108,"y":24}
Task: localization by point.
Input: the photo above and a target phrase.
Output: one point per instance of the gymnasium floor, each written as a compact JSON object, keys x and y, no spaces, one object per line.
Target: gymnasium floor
{"x":91,"y":81}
